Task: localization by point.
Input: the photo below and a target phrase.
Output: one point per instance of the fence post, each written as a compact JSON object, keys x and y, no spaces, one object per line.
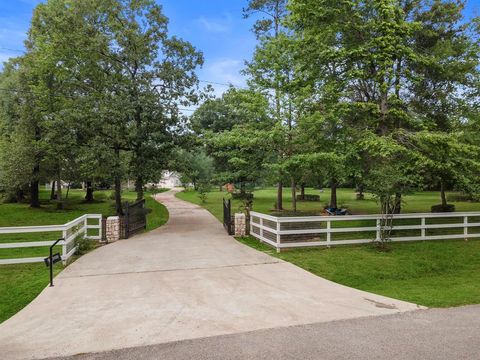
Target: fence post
{"x":85,"y":224}
{"x":465,"y":227}
{"x":251,"y":225}
{"x":100,"y":228}
{"x":377,"y":236}
{"x":423,"y":228}
{"x":329,"y":234}
{"x":261,"y":228}
{"x":278,"y":236}
{"x":64,"y":247}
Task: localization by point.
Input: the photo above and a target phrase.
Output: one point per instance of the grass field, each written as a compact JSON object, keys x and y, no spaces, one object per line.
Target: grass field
{"x":433,"y":274}
{"x":21,"y":283}
{"x":430,"y":273}
{"x":265,"y":198}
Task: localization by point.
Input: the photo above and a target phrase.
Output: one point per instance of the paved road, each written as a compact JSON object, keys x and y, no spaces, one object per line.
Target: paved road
{"x":436,"y":334}
{"x":186,"y":280}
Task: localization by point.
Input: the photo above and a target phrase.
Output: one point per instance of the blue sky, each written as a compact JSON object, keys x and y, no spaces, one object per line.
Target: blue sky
{"x":214,"y":26}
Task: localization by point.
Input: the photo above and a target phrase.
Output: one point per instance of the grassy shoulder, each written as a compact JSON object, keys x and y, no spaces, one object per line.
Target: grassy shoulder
{"x":21,"y":283}
{"x":430,"y":273}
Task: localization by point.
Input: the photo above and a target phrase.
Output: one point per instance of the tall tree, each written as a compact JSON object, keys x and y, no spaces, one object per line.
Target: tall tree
{"x":444,"y":79}
{"x":131,"y":72}
{"x":351,"y":53}
{"x":265,"y":69}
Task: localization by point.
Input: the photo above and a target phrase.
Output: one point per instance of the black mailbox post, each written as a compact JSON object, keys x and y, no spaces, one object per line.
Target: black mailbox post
{"x":52,"y":259}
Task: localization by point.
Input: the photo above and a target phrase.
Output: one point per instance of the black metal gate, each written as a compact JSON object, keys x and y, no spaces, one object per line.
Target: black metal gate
{"x":135,"y":217}
{"x":227,"y":216}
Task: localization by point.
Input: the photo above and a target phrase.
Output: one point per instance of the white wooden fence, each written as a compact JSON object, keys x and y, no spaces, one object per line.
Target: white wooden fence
{"x":70,"y":231}
{"x":307,"y":231}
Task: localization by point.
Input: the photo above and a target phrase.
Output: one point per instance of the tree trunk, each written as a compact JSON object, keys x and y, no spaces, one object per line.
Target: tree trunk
{"x":118,"y":196}
{"x":52,"y":190}
{"x":333,"y":194}
{"x":398,"y":203}
{"x":242,"y":189}
{"x":139,"y":187}
{"x":68,"y":190}
{"x":279,"y":203}
{"x":302,"y":191}
{"x":59,"y":192}
{"x":360,"y":194}
{"x":35,"y":182}
{"x":118,"y":185}
{"x":89,"y":195}
{"x":294,"y":195}
{"x":442,"y":194}
{"x":34,"y":194}
{"x":19,"y":195}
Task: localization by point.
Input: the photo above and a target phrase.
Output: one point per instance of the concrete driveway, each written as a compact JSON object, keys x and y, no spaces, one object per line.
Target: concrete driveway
{"x":185,"y":280}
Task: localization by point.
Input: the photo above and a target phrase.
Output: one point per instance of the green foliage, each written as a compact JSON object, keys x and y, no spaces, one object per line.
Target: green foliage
{"x":78,"y":55}
{"x":447,"y":158}
{"x":203,"y":190}
{"x":235,"y":107}
{"x":241,"y":153}
{"x":195,"y":167}
{"x":84,"y":245}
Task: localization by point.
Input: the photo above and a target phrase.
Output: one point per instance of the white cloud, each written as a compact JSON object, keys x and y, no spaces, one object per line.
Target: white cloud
{"x":215,"y":25}
{"x":225,"y":70}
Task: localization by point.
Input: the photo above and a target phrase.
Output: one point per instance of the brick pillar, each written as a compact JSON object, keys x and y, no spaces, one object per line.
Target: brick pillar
{"x":240,"y":224}
{"x":113,"y":228}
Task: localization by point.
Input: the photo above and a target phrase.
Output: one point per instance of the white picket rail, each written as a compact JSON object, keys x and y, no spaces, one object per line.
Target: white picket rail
{"x":70,"y":231}
{"x":270,"y":229}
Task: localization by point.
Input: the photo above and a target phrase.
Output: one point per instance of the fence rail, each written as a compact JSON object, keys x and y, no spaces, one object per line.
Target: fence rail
{"x":311,"y":231}
{"x":70,"y":231}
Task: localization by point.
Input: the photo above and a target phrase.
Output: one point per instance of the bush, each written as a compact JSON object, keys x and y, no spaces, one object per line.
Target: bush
{"x":84,"y":245}
{"x":203,"y":190}
{"x":443,"y":208}
{"x":308,"y":197}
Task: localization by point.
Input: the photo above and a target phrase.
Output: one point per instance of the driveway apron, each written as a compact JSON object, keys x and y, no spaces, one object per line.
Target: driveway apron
{"x":185,"y":280}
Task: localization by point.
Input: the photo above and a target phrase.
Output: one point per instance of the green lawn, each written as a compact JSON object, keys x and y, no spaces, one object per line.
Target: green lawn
{"x":21,"y":283}
{"x":265,"y":198}
{"x":430,"y":273}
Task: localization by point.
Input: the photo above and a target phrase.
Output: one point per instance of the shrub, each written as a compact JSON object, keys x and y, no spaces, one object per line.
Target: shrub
{"x":203,"y":190}
{"x":443,"y":208}
{"x":84,"y":245}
